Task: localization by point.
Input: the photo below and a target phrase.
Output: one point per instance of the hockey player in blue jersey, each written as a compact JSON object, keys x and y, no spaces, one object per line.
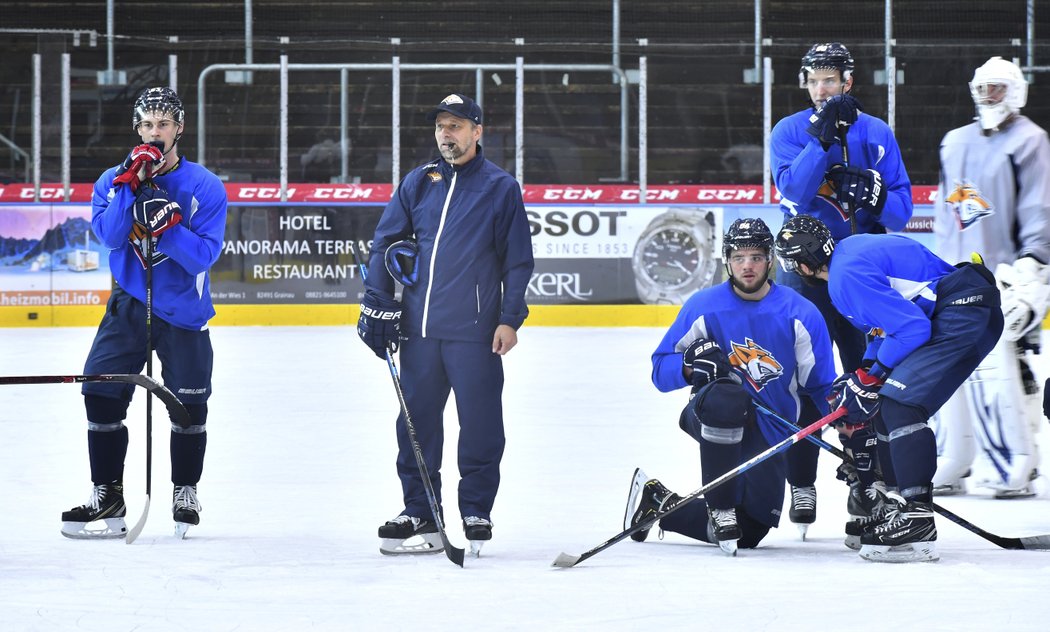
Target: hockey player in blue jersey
{"x":857,"y":187}
{"x":933,"y":323}
{"x":743,"y":340}
{"x":471,"y":256}
{"x":179,"y":206}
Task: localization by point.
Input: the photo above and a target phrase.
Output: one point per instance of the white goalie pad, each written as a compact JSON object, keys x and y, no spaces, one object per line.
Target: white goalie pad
{"x":999,"y":412}
{"x":1025,"y":294}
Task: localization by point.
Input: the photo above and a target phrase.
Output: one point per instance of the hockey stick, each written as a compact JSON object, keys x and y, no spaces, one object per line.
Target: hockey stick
{"x":454,"y":554}
{"x":1031,"y":543}
{"x":564,"y":560}
{"x":843,"y":130}
{"x":175,"y":408}
{"x":134,"y":532}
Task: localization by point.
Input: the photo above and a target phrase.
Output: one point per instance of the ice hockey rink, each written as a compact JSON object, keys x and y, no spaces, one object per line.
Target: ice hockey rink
{"x":300,"y":473}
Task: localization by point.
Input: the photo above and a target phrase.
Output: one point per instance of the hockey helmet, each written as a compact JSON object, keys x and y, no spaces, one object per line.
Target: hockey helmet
{"x":159,"y":99}
{"x":833,"y":55}
{"x":999,"y":90}
{"x":804,"y":239}
{"x":747,"y":232}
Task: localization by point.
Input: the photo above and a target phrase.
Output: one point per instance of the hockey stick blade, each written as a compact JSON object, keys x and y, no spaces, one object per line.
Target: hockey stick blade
{"x":134,"y":532}
{"x":1029,"y":543}
{"x":564,"y":560}
{"x":175,"y":408}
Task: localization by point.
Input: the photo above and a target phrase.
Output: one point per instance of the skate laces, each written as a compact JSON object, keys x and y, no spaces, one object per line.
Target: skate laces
{"x":724,"y":517}
{"x":474,"y":521}
{"x":804,"y":498}
{"x":186,"y":498}
{"x":402,"y":519}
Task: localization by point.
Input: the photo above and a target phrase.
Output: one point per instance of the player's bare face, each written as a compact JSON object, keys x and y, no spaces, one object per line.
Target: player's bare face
{"x":824,"y":83}
{"x":159,"y":126}
{"x":456,"y":138}
{"x":750,"y":271}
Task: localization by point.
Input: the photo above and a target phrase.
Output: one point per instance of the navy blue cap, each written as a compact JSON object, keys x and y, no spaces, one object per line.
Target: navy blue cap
{"x":457,"y":105}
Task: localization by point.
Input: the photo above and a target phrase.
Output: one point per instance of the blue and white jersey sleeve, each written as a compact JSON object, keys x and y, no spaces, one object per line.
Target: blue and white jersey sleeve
{"x":887,"y":282}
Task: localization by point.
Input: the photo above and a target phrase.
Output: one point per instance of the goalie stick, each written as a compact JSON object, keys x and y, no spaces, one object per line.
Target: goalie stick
{"x":175,"y":408}
{"x":564,"y":560}
{"x":454,"y":554}
{"x":1030,"y":543}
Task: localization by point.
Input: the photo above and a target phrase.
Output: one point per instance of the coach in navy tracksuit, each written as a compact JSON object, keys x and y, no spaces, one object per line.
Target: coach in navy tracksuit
{"x":469,"y":238}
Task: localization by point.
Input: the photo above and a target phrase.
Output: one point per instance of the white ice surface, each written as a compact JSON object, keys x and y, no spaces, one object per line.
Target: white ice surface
{"x":300,"y":472}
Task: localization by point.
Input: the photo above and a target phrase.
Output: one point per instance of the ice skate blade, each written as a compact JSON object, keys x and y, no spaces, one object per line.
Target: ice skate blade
{"x":902,"y":553}
{"x":475,"y":547}
{"x":633,"y":497}
{"x":728,"y":547}
{"x":422,"y":544}
{"x":852,"y":542}
{"x":114,"y":529}
{"x":803,"y":528}
{"x":181,"y":528}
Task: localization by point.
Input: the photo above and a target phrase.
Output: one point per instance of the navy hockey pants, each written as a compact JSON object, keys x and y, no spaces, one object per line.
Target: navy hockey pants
{"x":430,"y":369}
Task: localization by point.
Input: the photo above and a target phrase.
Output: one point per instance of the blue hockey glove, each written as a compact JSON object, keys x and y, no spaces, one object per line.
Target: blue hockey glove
{"x":858,"y":393}
{"x":155,"y":211}
{"x":380,"y":323}
{"x":840,"y":111}
{"x":400,"y":261}
{"x":707,"y":361}
{"x":860,"y":188}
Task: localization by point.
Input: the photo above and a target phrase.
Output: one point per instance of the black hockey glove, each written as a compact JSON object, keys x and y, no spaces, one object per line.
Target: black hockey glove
{"x":380,"y":323}
{"x":708,"y":362}
{"x":860,"y":188}
{"x":858,"y":393}
{"x":400,"y":261}
{"x":1046,"y":398}
{"x":139,"y":164}
{"x":838,"y":111}
{"x":153,"y":210}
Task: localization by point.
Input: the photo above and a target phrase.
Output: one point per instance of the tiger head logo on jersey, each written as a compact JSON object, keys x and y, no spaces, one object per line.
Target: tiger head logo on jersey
{"x":968,"y":205}
{"x":756,"y":363}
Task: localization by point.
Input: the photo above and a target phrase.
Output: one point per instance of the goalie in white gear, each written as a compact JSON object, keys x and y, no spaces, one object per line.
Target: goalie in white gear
{"x":994,"y":199}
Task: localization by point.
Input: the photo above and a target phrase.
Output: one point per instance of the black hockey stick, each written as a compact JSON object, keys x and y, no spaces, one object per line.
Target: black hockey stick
{"x":454,"y":554}
{"x":175,"y":408}
{"x":134,"y":532}
{"x":1032,"y":542}
{"x":564,"y":560}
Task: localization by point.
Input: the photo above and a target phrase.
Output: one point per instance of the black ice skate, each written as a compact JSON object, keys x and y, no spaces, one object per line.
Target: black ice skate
{"x":406,"y":535}
{"x":723,"y":530}
{"x":803,"y":510}
{"x":646,"y":500}
{"x":479,"y":531}
{"x":106,"y":504}
{"x":909,"y":536}
{"x":185,"y":509}
{"x":867,"y":507}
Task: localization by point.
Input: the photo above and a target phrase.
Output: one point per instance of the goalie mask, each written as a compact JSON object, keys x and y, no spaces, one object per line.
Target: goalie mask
{"x":804,"y":239}
{"x":830,"y":55}
{"x":999,"y":91}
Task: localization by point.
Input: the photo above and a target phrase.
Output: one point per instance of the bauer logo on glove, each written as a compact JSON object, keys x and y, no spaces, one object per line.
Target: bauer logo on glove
{"x":155,"y":211}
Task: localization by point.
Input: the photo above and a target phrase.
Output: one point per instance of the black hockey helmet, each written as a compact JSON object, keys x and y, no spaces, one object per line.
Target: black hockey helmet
{"x":747,"y":232}
{"x":804,"y":239}
{"x":831,"y":55}
{"x":158,"y":99}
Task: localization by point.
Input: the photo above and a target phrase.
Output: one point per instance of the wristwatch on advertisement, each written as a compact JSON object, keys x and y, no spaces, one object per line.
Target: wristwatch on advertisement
{"x":675,"y":256}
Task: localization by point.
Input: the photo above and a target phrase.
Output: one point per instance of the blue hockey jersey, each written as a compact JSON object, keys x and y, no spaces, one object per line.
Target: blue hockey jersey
{"x":798,"y":163}
{"x":886,"y":285}
{"x":182,"y":255}
{"x":778,"y":346}
{"x":475,"y":250}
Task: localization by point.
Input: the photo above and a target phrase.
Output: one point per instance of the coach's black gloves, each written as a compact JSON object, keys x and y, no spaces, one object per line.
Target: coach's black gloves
{"x":859,"y":188}
{"x":707,"y":361}
{"x":380,"y":323}
{"x":840,"y":111}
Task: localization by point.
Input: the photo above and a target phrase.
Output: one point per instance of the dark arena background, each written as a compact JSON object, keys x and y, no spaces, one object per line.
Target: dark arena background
{"x":704,"y":112}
